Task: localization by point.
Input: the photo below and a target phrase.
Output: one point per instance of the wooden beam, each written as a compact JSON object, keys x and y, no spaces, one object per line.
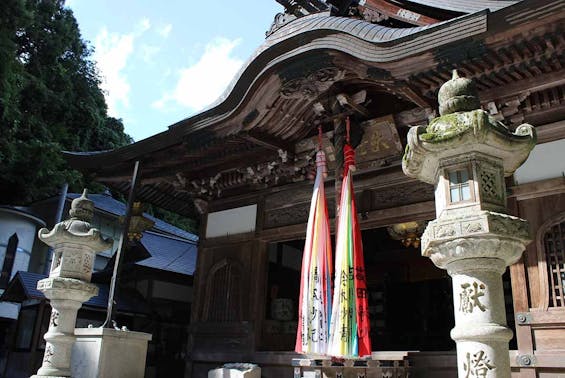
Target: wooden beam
{"x":540,"y":116}
{"x":414,"y":117}
{"x":549,"y":358}
{"x":337,"y":116}
{"x":208,"y":168}
{"x":268,"y":141}
{"x":538,"y":189}
{"x":373,"y":219}
{"x":534,"y":84}
{"x":386,"y":217}
{"x":545,"y":318}
{"x":354,"y":103}
{"x":551,"y":132}
{"x":243,"y":160}
{"x":416,"y":96}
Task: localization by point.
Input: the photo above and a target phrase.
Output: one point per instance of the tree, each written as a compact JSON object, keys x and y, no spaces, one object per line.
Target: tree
{"x":50,"y":100}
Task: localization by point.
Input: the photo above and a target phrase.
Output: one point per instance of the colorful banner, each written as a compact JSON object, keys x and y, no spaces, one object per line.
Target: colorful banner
{"x":315,"y":290}
{"x":349,"y":328}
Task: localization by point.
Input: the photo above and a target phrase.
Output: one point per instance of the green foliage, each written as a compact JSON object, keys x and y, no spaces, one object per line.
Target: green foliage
{"x":175,"y":219}
{"x":50,"y":100}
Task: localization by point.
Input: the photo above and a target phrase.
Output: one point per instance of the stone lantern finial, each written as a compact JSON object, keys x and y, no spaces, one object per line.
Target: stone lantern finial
{"x":458,"y":95}
{"x":82,"y":208}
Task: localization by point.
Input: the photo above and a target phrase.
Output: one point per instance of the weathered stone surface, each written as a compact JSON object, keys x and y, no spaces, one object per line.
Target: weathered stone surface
{"x":77,"y":229}
{"x":104,"y":352}
{"x":460,"y":131}
{"x":75,"y":244}
{"x":68,"y":288}
{"x":477,"y":235}
{"x":236,"y":370}
{"x":465,"y":153}
{"x":458,"y":95}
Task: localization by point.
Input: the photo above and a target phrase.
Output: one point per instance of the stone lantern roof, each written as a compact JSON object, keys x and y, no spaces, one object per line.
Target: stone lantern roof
{"x":462,"y":128}
{"x":77,"y":228}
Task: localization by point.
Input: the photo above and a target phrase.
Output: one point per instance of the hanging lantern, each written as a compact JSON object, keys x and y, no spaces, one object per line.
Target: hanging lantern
{"x":408,"y":233}
{"x":138,"y":222}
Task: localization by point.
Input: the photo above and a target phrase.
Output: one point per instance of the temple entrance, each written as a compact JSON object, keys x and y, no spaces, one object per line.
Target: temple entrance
{"x":410,"y":300}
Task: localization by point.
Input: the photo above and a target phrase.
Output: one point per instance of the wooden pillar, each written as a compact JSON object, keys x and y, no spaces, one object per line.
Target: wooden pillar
{"x":521,"y":303}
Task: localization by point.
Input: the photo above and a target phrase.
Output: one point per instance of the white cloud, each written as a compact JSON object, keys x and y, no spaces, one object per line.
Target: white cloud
{"x":161,"y":103}
{"x":144,"y":25}
{"x":165,"y":30}
{"x":203,"y":82}
{"x":111,"y":53}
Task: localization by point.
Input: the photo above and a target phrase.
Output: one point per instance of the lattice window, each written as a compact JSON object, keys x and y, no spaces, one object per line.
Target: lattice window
{"x":554,"y":242}
{"x":223,"y":294}
{"x":489,"y":184}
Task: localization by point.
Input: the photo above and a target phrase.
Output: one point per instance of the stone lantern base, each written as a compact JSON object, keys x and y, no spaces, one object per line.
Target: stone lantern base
{"x":104,"y":352}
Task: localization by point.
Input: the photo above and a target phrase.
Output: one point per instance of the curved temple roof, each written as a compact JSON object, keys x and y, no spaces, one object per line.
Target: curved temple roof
{"x":317,"y":32}
{"x":259,"y":102}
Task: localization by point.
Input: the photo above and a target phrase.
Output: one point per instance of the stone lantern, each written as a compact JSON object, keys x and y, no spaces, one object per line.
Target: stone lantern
{"x":467,"y":154}
{"x":75,"y":245}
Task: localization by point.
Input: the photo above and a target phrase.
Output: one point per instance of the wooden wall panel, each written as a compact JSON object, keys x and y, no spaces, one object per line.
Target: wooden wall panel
{"x":542,"y":335}
{"x":549,"y":339}
{"x":224,"y":334}
{"x":537,"y":211}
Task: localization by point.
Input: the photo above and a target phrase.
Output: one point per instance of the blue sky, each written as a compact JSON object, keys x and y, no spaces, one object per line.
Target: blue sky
{"x":162,"y":61}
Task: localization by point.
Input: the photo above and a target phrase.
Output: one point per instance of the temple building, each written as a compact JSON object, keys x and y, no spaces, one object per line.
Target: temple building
{"x":156,"y":284}
{"x":244,"y":168}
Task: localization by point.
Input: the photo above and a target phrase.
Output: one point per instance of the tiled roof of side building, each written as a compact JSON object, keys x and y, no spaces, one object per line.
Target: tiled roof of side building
{"x":28,"y":282}
{"x":110,"y":205}
{"x":169,"y":254}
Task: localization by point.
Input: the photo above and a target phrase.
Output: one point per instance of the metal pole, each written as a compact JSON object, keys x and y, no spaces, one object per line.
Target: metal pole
{"x":119,"y":253}
{"x":58,"y":217}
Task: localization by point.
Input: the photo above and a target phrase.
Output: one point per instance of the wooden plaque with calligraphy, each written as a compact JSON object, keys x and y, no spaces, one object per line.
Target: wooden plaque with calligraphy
{"x":380,"y":140}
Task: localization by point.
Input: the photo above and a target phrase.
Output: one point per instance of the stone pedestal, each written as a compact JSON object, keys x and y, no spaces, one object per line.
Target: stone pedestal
{"x":236,"y":370}
{"x":466,"y":154}
{"x":75,"y":245}
{"x":475,"y":250}
{"x":104,"y":352}
{"x":67,"y":296}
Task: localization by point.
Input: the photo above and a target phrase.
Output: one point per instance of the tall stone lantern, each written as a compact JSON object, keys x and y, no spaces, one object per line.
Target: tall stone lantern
{"x":467,"y":154}
{"x":75,"y":245}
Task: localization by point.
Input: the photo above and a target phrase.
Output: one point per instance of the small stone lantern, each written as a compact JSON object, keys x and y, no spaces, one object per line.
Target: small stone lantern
{"x":75,"y":245}
{"x":467,"y":154}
